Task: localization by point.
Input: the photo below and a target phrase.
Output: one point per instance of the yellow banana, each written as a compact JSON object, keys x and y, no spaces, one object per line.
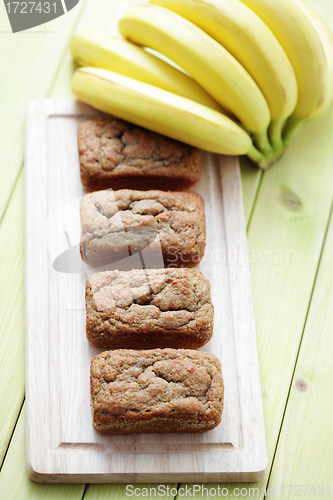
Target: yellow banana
{"x":298,"y":36}
{"x":161,"y":111}
{"x":326,"y":38}
{"x":250,"y":41}
{"x":92,"y":48}
{"x":210,"y":64}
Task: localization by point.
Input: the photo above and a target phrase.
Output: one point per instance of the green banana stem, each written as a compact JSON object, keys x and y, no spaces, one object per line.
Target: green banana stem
{"x":275,"y":134}
{"x":261,"y":141}
{"x":280,"y":134}
{"x":264,"y":161}
{"x":255,"y":155}
{"x":290,"y":129}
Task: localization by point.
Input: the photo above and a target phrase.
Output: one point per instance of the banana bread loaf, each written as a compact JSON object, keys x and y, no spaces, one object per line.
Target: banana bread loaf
{"x":117,"y":154}
{"x":159,"y":390}
{"x":116,"y":224}
{"x":144,"y":309}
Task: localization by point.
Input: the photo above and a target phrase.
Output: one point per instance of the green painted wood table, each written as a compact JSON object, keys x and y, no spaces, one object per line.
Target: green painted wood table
{"x":290,"y":236}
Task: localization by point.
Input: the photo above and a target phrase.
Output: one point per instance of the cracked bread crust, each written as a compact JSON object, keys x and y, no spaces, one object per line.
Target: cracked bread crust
{"x":160,"y":390}
{"x":145,"y":309}
{"x":117,"y":154}
{"x":116,"y":224}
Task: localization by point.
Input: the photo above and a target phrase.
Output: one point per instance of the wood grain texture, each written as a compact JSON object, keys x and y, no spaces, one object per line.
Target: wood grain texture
{"x":15,"y":483}
{"x":162,"y":491}
{"x":58,"y":354}
{"x":251,"y":178}
{"x":11,"y":316}
{"x":304,"y":453}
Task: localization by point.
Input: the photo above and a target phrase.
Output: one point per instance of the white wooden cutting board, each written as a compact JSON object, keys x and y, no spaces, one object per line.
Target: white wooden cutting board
{"x":62,"y":445}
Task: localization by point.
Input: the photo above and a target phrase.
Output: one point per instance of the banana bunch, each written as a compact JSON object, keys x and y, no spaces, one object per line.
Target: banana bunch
{"x":255,"y":71}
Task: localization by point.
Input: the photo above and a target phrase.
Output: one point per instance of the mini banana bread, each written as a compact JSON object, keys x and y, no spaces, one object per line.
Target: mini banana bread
{"x":144,"y":309}
{"x":159,"y":390}
{"x":117,"y":154}
{"x":116,"y":224}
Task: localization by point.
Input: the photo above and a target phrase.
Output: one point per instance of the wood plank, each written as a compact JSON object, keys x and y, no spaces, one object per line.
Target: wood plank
{"x":28,"y":65}
{"x":304,"y":453}
{"x":161,"y":491}
{"x":251,"y":178}
{"x":15,"y":483}
{"x":11,"y":316}
{"x":57,"y":382}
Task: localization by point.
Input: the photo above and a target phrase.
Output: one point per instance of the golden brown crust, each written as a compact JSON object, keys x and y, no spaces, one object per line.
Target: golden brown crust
{"x":116,"y":224}
{"x":117,"y":154}
{"x":160,"y":390}
{"x":144,"y":309}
